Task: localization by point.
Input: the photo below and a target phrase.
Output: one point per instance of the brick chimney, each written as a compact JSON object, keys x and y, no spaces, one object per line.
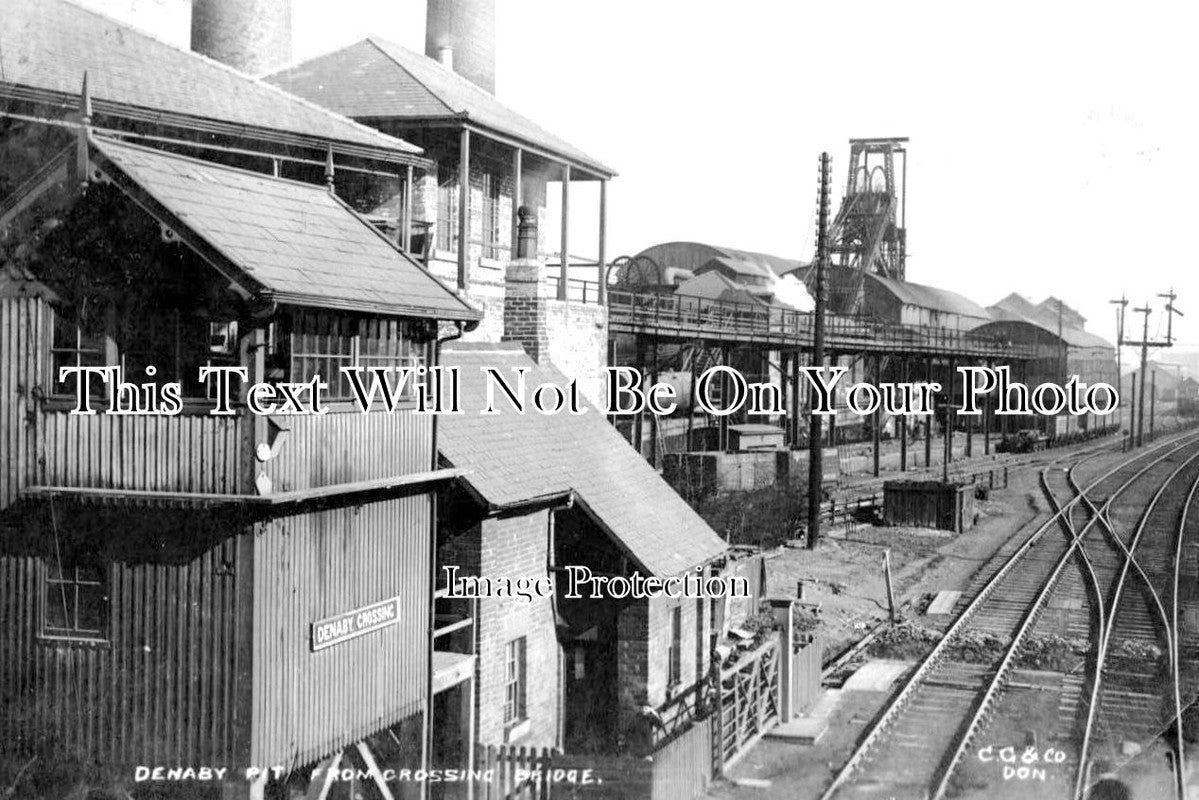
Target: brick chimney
{"x":570,"y":334}
{"x":466,"y":29}
{"x":253,"y":36}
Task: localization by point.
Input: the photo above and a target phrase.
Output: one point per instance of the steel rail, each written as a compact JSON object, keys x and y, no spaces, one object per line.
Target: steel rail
{"x":933,"y":657}
{"x":1031,"y":615}
{"x":1088,"y":732}
{"x":1180,"y":766}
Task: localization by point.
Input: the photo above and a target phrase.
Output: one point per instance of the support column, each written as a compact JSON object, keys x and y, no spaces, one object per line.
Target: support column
{"x":517,"y":196}
{"x":795,"y":399}
{"x":950,"y":414}
{"x":876,"y":434}
{"x":602,"y":266}
{"x":832,"y":420}
{"x":563,"y":277}
{"x":902,"y":422}
{"x":406,"y":213}
{"x":464,"y":210}
{"x":723,"y":420}
{"x":929,"y":418}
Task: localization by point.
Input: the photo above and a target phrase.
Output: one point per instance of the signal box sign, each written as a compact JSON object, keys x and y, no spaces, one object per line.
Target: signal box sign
{"x":352,"y":624}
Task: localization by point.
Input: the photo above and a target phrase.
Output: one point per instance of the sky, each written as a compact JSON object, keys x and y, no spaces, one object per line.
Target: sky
{"x":1050,"y":143}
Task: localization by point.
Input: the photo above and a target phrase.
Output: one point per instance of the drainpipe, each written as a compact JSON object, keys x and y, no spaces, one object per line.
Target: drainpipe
{"x":551,"y":569}
{"x":427,"y":744}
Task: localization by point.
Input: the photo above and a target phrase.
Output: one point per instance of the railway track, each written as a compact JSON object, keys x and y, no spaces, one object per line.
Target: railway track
{"x":916,"y":744}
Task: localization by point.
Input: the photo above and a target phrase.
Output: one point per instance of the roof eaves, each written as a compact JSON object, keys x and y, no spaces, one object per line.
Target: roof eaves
{"x":157,"y":209}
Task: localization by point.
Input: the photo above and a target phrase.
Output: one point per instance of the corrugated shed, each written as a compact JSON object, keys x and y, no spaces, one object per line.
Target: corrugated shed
{"x":513,"y":457}
{"x":1046,"y":322}
{"x":378,"y":79}
{"x":296,"y":240}
{"x":308,"y":705}
{"x":165,"y":686}
{"x":930,"y":297}
{"x":48,"y":45}
{"x":693,"y":255}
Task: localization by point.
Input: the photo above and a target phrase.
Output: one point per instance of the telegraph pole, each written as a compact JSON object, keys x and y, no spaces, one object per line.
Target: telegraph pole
{"x":1145,"y":344}
{"x":815,"y":453}
{"x":1123,"y":304}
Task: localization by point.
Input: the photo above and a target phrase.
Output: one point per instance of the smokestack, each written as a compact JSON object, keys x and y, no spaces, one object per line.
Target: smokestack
{"x":467,"y":29}
{"x":253,"y":36}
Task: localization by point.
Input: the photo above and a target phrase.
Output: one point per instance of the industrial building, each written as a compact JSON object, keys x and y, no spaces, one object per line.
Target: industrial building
{"x":270,"y":590}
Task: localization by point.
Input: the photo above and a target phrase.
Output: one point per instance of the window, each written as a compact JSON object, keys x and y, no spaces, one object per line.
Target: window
{"x":701,"y":650}
{"x":322,"y":343}
{"x":447,"y":210}
{"x":79,"y":341}
{"x":675,"y":672}
{"x":177,"y":344}
{"x":495,"y":233}
{"x":514,"y":683}
{"x":76,"y":601}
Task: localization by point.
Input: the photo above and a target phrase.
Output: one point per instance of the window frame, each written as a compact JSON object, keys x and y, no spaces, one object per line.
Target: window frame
{"x":75,"y":634}
{"x":516,"y":710}
{"x":674,"y":664}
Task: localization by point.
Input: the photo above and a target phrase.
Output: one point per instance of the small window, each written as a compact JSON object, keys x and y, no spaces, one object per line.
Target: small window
{"x":76,"y":601}
{"x":676,"y":647}
{"x":447,"y":209}
{"x":79,"y":341}
{"x":514,"y":683}
{"x":701,"y":649}
{"x":495,"y":229}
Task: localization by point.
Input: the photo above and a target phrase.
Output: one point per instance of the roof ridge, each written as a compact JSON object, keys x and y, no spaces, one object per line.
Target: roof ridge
{"x":375,"y":132}
{"x":371,"y":39}
{"x":101,"y":138}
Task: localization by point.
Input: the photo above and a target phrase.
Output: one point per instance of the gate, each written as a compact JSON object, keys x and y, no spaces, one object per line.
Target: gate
{"x":747,"y":702}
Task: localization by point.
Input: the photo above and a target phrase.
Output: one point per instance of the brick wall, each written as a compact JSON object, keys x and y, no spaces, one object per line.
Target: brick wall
{"x":643,"y":651}
{"x":572,"y":336}
{"x":515,"y":547}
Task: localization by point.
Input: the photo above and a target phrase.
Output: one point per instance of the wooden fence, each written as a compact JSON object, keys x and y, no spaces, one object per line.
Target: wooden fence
{"x":747,"y":702}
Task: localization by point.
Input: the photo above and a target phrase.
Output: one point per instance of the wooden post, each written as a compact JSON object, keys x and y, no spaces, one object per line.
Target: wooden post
{"x":723,"y":420}
{"x":602,"y":266}
{"x":929,"y":418}
{"x":878,"y":416}
{"x":1152,"y":400}
{"x":890,"y":587}
{"x":517,"y":196}
{"x":902,"y":421}
{"x":464,"y":210}
{"x":564,"y":275}
{"x":406,"y":213}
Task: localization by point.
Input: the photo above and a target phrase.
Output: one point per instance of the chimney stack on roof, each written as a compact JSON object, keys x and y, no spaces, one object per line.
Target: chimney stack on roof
{"x":253,"y":36}
{"x":466,"y":29}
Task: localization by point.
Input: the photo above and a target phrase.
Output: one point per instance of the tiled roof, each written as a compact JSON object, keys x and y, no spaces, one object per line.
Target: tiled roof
{"x":297,"y":241}
{"x":510,"y":458}
{"x":47,"y":45}
{"x":377,"y":79}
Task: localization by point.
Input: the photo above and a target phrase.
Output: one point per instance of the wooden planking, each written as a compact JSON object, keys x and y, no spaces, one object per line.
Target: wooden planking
{"x":311,"y":566}
{"x":159,"y":690}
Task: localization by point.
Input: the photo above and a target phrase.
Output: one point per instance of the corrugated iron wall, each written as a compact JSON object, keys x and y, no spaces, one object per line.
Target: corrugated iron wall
{"x":316,"y":565}
{"x":187,"y":453}
{"x":164,"y":688}
{"x":24,"y":325}
{"x":312,"y":566}
{"x":349,"y":446}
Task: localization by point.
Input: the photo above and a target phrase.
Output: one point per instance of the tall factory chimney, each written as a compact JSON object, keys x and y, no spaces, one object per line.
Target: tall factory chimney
{"x":253,"y":36}
{"x":461,"y":35}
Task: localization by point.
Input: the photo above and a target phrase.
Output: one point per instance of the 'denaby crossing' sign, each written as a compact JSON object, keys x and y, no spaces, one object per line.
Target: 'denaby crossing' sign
{"x":335,"y":630}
